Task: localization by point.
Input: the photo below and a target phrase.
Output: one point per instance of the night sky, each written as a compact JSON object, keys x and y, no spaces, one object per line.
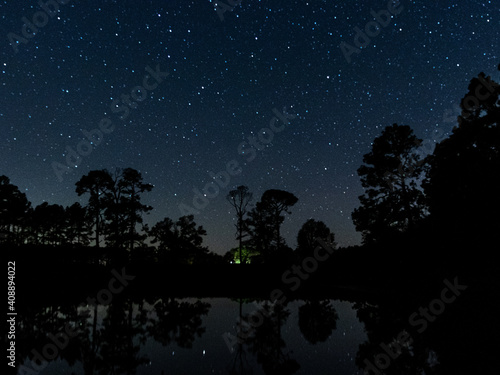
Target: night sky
{"x":225,"y":78}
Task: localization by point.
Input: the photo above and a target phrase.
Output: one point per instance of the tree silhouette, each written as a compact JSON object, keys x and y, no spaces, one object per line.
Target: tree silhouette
{"x":14,"y":209}
{"x":52,"y":224}
{"x":124,"y":208}
{"x":48,"y":222}
{"x":118,"y":198}
{"x":277,"y":202}
{"x":78,"y":230}
{"x":392,"y":202}
{"x":310,"y":231}
{"x":462,"y":182}
{"x":96,"y":184}
{"x":114,"y":213}
{"x":261,"y":230}
{"x":181,"y":239}
{"x":265,"y":221}
{"x":131,"y":186}
{"x":239,"y":199}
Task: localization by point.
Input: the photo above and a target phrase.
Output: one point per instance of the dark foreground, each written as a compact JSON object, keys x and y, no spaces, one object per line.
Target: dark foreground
{"x":442,"y":321}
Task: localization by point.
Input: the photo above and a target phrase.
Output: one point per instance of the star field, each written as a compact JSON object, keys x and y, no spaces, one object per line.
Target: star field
{"x":225,"y":78}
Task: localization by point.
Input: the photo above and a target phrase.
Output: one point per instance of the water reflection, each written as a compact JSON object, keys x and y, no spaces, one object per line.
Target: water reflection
{"x":171,"y":335}
{"x":382,"y":351}
{"x":177,"y":321}
{"x":116,"y":347}
{"x":240,"y":364}
{"x":265,"y":340}
{"x":426,"y":336}
{"x":317,"y":320}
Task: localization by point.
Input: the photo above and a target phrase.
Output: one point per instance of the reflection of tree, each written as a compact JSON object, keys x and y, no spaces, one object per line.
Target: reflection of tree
{"x":240,"y":364}
{"x":89,"y":340}
{"x":40,"y":325}
{"x":383,"y":324}
{"x":265,"y":340}
{"x":460,"y":340}
{"x":119,"y":353}
{"x":35,"y":325}
{"x":178,"y":321}
{"x":317,"y":320}
{"x":114,"y":346}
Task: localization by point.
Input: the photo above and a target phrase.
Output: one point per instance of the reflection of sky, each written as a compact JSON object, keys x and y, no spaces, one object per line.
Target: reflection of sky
{"x":336,"y":355}
{"x":210,"y":355}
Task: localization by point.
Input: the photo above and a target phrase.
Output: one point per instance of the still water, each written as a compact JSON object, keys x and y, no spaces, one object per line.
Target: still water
{"x":199,"y":336}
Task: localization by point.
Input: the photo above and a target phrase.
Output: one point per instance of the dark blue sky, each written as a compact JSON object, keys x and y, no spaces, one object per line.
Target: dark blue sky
{"x":226,"y":77}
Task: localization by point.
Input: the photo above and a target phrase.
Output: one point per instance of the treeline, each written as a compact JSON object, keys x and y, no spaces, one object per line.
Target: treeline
{"x":111,"y":215}
{"x":416,"y":208}
{"x":436,"y":214}
{"x":453,"y":191}
{"x":112,"y":220}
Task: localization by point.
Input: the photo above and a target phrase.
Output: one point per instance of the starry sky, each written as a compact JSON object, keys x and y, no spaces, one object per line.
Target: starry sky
{"x":231,"y":68}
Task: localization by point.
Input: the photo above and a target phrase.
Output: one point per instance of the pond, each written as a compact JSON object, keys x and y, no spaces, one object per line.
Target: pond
{"x":195,"y":336}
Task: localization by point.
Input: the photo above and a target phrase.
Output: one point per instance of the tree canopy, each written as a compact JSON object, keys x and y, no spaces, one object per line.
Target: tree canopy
{"x":462,"y":183}
{"x":310,"y":232}
{"x":265,"y":219}
{"x":179,"y":240}
{"x":392,"y":202}
{"x":14,"y":209}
